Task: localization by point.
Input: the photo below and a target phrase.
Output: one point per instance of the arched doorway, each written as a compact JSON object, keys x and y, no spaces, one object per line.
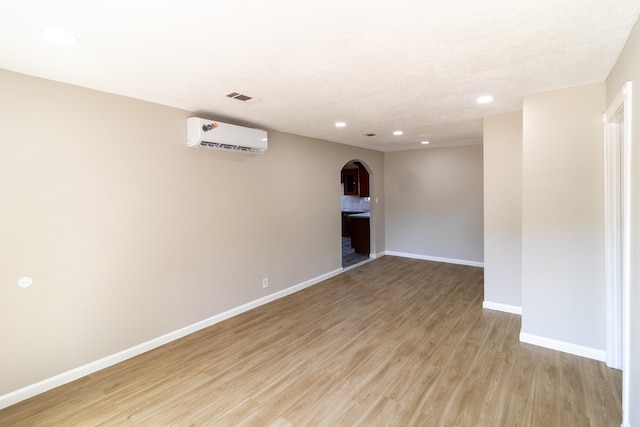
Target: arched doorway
{"x":355,"y":213}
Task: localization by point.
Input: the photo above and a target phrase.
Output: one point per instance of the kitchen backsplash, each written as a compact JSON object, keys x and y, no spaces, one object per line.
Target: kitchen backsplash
{"x":356,"y":203}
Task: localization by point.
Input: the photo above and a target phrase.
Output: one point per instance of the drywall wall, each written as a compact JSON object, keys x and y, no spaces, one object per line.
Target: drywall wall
{"x":129,"y":235}
{"x":434,"y":203}
{"x":502,"y":152}
{"x":627,"y":68}
{"x":563,"y":294}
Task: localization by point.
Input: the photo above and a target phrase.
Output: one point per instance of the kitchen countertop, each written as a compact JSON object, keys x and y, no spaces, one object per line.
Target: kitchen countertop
{"x":361,"y":215}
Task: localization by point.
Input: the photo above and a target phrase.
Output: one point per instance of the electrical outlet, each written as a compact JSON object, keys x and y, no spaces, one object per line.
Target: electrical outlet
{"x":265,"y":282}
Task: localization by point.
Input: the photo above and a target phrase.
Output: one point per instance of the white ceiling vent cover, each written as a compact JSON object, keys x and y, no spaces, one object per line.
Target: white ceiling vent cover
{"x":224,"y":136}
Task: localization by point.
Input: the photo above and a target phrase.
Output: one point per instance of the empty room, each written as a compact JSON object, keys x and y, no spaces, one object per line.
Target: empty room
{"x":320,"y":213}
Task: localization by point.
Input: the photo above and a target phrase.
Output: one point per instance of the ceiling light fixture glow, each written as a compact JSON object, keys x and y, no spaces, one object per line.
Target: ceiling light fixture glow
{"x":485,"y":99}
{"x":340,"y":124}
{"x":425,"y":143}
{"x":398,"y":132}
{"x":25,"y":282}
{"x":59,"y":36}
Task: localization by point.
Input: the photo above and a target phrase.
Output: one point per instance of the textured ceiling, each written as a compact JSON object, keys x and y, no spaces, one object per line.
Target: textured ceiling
{"x":414,"y":65}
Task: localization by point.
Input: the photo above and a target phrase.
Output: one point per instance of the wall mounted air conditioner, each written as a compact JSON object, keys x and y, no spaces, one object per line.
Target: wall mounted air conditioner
{"x":224,"y":136}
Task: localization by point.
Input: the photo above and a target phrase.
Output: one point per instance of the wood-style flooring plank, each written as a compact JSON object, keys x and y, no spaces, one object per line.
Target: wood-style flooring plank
{"x":394,"y":342}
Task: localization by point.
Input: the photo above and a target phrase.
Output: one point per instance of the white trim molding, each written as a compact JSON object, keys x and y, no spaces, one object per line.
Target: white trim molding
{"x":437,"y":259}
{"x":578,"y":350}
{"x":513,"y":309}
{"x":24,"y":393}
{"x":617,"y":184}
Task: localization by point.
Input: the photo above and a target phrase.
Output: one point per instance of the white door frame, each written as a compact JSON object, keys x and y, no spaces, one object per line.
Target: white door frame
{"x":617,"y":187}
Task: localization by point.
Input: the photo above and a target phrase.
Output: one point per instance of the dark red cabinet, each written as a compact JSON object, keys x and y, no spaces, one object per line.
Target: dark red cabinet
{"x":363,"y":180}
{"x":356,"y":181}
{"x":350,"y":178}
{"x":360,"y":235}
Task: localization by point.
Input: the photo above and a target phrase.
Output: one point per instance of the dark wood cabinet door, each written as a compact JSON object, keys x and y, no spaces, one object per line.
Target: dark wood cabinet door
{"x":346,"y":224}
{"x":350,"y":178}
{"x":363,"y":178}
{"x":360,"y":235}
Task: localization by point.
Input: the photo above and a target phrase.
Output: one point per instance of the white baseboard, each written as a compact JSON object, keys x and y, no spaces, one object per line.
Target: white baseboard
{"x":513,"y":309}
{"x":578,"y":350}
{"x":81,"y":371}
{"x":437,"y":259}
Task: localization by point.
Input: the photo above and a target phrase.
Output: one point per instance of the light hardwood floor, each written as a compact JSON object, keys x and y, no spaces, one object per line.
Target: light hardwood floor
{"x":394,"y":342}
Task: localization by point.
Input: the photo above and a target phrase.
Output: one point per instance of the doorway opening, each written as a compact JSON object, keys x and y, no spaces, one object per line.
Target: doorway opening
{"x":355,"y":213}
{"x":618,"y":236}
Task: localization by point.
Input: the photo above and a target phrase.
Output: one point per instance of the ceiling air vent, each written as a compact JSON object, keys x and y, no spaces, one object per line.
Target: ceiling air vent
{"x":239,"y":96}
{"x":370,"y":134}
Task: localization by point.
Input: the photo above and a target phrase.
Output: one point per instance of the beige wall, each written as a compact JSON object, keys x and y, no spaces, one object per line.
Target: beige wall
{"x":563,"y":290}
{"x":434,"y":202}
{"x":130,"y":235}
{"x":626,"y":69}
{"x":502,"y":151}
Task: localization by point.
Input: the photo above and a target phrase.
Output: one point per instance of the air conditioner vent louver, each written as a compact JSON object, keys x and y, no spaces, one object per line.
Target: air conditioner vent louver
{"x":224,"y":136}
{"x":224,"y":146}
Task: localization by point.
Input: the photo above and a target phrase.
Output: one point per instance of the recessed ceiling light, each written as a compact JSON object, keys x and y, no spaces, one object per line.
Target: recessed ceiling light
{"x":340,"y":124}
{"x":59,"y":36}
{"x":398,"y":132}
{"x":424,"y":142}
{"x":485,"y":99}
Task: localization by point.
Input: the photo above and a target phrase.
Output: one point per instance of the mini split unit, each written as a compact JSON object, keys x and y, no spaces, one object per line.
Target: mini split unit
{"x":224,"y":136}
